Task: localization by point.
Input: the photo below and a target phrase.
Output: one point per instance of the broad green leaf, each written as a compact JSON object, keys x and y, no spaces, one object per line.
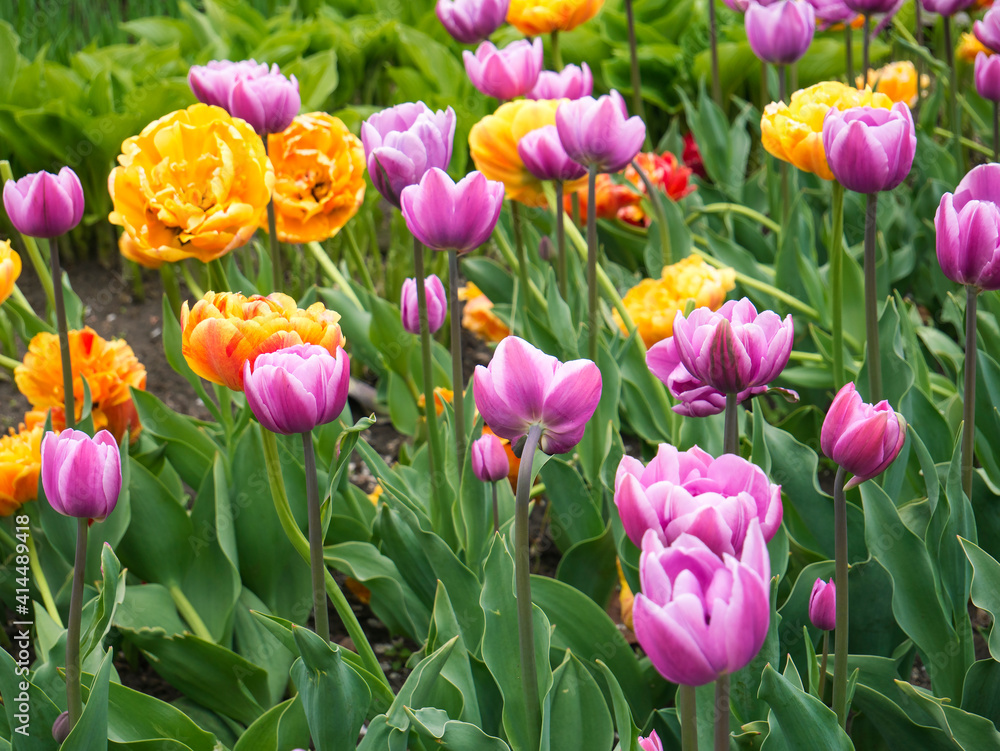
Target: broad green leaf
{"x":797,"y":719}
{"x":283,"y":726}
{"x":574,"y":713}
{"x":91,"y":731}
{"x":451,"y":735}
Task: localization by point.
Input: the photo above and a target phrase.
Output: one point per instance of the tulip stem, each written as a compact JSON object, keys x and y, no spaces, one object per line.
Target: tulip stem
{"x":272,"y":236}
{"x":333,"y":272}
{"x":496,"y":509}
{"x":722,"y":712}
{"x":733,"y":208}
{"x":866,"y":48}
{"x":64,"y":356}
{"x":688,"y":707}
{"x":918,"y":27}
{"x":873,"y":354}
{"x":42,"y":583}
{"x":592,"y":260}
{"x":457,"y":376}
{"x":522,"y":259}
{"x":840,"y":554}
{"x":714,"y":37}
{"x":168,"y":276}
{"x":782,"y":164}
{"x":359,"y":260}
{"x":186,"y":609}
{"x":956,"y":112}
{"x":522,"y":584}
{"x":561,"y":240}
{"x":822,"y":666}
{"x":969,"y":397}
{"x":637,"y":106}
{"x":837,"y":282}
{"x":996,"y":131}
{"x":557,"y":60}
{"x":74,"y":702}
{"x":193,"y":287}
{"x":731,"y":433}
{"x":316,"y":564}
{"x":849,"y":53}
{"x":661,"y":216}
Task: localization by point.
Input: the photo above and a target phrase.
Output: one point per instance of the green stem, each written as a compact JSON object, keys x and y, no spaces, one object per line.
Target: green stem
{"x":9,"y":362}
{"x":64,"y":356}
{"x":969,"y":397}
{"x":782,"y":164}
{"x":822,"y":666}
{"x":592,"y":261}
{"x":956,"y":112}
{"x":688,"y":708}
{"x":996,"y":131}
{"x":637,"y":105}
{"x":457,"y":376}
{"x":135,"y":277}
{"x":849,"y":53}
{"x":522,"y":584}
{"x":42,"y":583}
{"x":522,"y":259}
{"x":32,"y":247}
{"x":74,"y":700}
{"x":656,"y":199}
{"x":722,"y":712}
{"x":918,"y":26}
{"x":866,"y":48}
{"x":837,"y":282}
{"x":496,"y":509}
{"x":713,"y":35}
{"x":561,"y":240}
{"x":333,"y":272}
{"x":840,"y":555}
{"x":731,"y":432}
{"x":359,"y":260}
{"x":217,"y":276}
{"x":188,"y":612}
{"x":316,"y":564}
{"x":873,"y":353}
{"x":967,"y":142}
{"x":508,"y":255}
{"x":734,"y":208}
{"x":557,"y":60}
{"x":171,"y":288}
{"x":301,"y":545}
{"x":272,"y":235}
{"x":193,"y":287}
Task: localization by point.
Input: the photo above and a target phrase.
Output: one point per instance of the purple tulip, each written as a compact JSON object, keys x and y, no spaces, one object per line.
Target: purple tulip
{"x":735,"y":348}
{"x":968,"y":229}
{"x":507,"y":73}
{"x":81,"y":476}
{"x":740,"y":6}
{"x":599,"y":133}
{"x":780,"y":33}
{"x":44,"y":205}
{"x":471,"y":21}
{"x":403,"y":142}
{"x":823,"y":605}
{"x":689,"y":492}
{"x":437,"y":304}
{"x":946,"y":7}
{"x":861,"y":438}
{"x":61,"y":728}
{"x":522,"y":387}
{"x":445,"y":215}
{"x":489,"y":460}
{"x":871,"y":7}
{"x":268,"y":103}
{"x":829,"y":12}
{"x":987,"y":31}
{"x":987,"y":75}
{"x":569,"y":83}
{"x":700,"y":616}
{"x":213,"y":83}
{"x":651,"y":742}
{"x":544,"y":157}
{"x":292,"y":390}
{"x":870,"y":149}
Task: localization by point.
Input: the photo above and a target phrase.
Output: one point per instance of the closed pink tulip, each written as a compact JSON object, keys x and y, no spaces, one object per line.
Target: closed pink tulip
{"x":213,"y":83}
{"x":505,"y":73}
{"x":862,"y":438}
{"x":823,"y":605}
{"x":489,"y":459}
{"x":545,"y":158}
{"x":870,"y":149}
{"x":599,"y":133}
{"x":571,"y":82}
{"x":651,"y":743}
{"x":445,"y":215}
{"x":268,"y":103}
{"x":523,"y":387}
{"x":437,"y":304}
{"x":967,"y":224}
{"x":81,"y":476}
{"x":987,"y":76}
{"x":44,"y":205}
{"x":987,"y":31}
{"x":471,"y":21}
{"x":780,"y":33}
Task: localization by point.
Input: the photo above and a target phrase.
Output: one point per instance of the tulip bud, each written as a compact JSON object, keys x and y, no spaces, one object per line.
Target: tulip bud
{"x":871,"y":7}
{"x":569,"y":83}
{"x":546,"y":248}
{"x":489,"y":460}
{"x":61,"y":728}
{"x":987,"y":31}
{"x":471,"y":21}
{"x":946,"y":7}
{"x":437,"y":304}
{"x":651,"y":743}
{"x":506,"y":73}
{"x":81,"y":476}
{"x":780,"y":33}
{"x":870,"y":149}
{"x":599,"y":133}
{"x":862,"y":438}
{"x":44,"y":205}
{"x":987,"y":75}
{"x":823,"y":605}
{"x":212,"y":83}
{"x":967,"y":224}
{"x":445,"y":215}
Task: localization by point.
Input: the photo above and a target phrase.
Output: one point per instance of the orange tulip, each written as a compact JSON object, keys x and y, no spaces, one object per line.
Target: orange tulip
{"x":225,"y":329}
{"x":478,"y":316}
{"x":534,"y":17}
{"x":20,"y":462}
{"x":10,"y":269}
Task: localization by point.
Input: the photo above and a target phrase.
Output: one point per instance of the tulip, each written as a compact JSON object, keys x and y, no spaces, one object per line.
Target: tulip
{"x":871,"y":7}
{"x":535,"y":17}
{"x":268,"y":103}
{"x":780,"y":33}
{"x":437,"y":304}
{"x":44,"y":205}
{"x":861,"y":438}
{"x":81,"y":476}
{"x":823,"y":605}
{"x":829,"y":12}
{"x":61,"y":728}
{"x":968,"y":229}
{"x":987,"y":75}
{"x":10,"y":269}
{"x":445,"y":215}
{"x":987,"y":31}
{"x":295,"y":389}
{"x":489,"y":460}
{"x":403,"y":142}
{"x":946,"y":7}
{"x":471,"y":21}
{"x":700,"y":617}
{"x":543,"y":155}
{"x":213,"y":83}
{"x":506,"y":73}
{"x":651,"y":742}
{"x":571,"y":82}
{"x":870,"y":149}
{"x":599,"y":133}
{"x":523,"y":387}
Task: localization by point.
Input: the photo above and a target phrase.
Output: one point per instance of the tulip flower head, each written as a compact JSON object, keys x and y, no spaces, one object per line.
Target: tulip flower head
{"x":870,"y":149}
{"x":10,"y":269}
{"x":268,"y":103}
{"x":863,"y":439}
{"x":44,"y":205}
{"x":897,"y":80}
{"x":445,"y":215}
{"x":437,"y":304}
{"x":544,"y":156}
{"x":505,"y":73}
{"x":701,"y":616}
{"x":489,"y":459}
{"x":946,"y":7}
{"x":403,"y":142}
{"x":780,"y":33}
{"x":987,"y":75}
{"x":823,"y":605}
{"x":571,"y":82}
{"x":295,"y":389}
{"x":829,"y":12}
{"x":871,"y":7}
{"x":536,"y":17}
{"x":599,"y":133}
{"x":987,"y":31}
{"x":523,"y":387}
{"x":20,"y":463}
{"x":651,"y":742}
{"x":471,"y":21}
{"x":81,"y":476}
{"x":967,"y":224}
{"x":213,"y":83}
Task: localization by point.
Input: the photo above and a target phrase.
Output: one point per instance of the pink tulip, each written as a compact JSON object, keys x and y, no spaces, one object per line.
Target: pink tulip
{"x":861,"y":438}
{"x":213,"y":83}
{"x":987,"y":76}
{"x":268,"y":103}
{"x":571,"y":82}
{"x":823,"y":605}
{"x":506,"y":73}
{"x":946,"y":7}
{"x":829,"y":12}
{"x":651,"y":743}
{"x":437,"y":304}
{"x":523,"y":387}
{"x":445,"y":215}
{"x":987,"y":31}
{"x":599,"y":133}
{"x":544,"y":157}
{"x":780,"y":33}
{"x":81,"y":476}
{"x":44,"y":205}
{"x":870,"y":149}
{"x":489,"y":460}
{"x":471,"y":21}
{"x":968,"y":229}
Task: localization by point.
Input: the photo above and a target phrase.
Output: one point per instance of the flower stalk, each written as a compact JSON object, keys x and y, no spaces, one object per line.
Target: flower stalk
{"x":316,"y":564}
{"x":561,"y":240}
{"x":840,"y":575}
{"x":837,"y":282}
{"x":592,"y":261}
{"x":969,"y":396}
{"x":956,"y":110}
{"x":457,"y":376}
{"x":873,"y":354}
{"x":722,"y":713}
{"x":61,"y":324}
{"x":277,"y":277}
{"x":74,"y":700}
{"x":688,"y":709}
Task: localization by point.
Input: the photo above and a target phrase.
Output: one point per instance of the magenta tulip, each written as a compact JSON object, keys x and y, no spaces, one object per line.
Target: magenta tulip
{"x":437,"y":304}
{"x":445,"y":215}
{"x":471,"y":21}
{"x":872,"y":7}
{"x":861,"y":438}
{"x":987,"y":75}
{"x":81,"y":476}
{"x":44,"y":205}
{"x":403,"y":142}
{"x":571,"y":82}
{"x":651,"y":742}
{"x":523,"y":387}
{"x":968,"y":229}
{"x":946,"y":7}
{"x":544,"y":157}
{"x":987,"y":31}
{"x":599,"y":133}
{"x":213,"y":83}
{"x":780,"y":33}
{"x":823,"y":605}
{"x":829,"y":12}
{"x":870,"y":149}
{"x":292,"y":390}
{"x":699,"y":616}
{"x":506,"y":73}
{"x":268,"y":103}
{"x":489,"y":460}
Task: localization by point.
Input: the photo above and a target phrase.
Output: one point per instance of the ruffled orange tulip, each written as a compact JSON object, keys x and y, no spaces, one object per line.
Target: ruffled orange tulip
{"x":898,"y":81}
{"x":969,"y":47}
{"x":193,"y":184}
{"x":441,"y":395}
{"x":534,"y":17}
{"x":478,"y":316}
{"x":10,"y":269}
{"x":20,"y":462}
{"x":225,"y":329}
{"x":319,"y":170}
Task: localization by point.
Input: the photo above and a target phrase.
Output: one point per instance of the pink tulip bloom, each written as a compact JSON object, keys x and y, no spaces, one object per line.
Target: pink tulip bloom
{"x":861,"y":438}
{"x":44,"y":205}
{"x":829,"y":12}
{"x":523,"y":387}
{"x":780,"y":33}
{"x":81,"y":476}
{"x":471,"y":21}
{"x":544,"y":157}
{"x":987,"y":31}
{"x":599,"y":133}
{"x":437,"y":304}
{"x":823,"y":605}
{"x":700,"y":616}
{"x":571,"y":82}
{"x":292,"y":390}
{"x":213,"y":83}
{"x":507,"y":73}
{"x":871,"y":7}
{"x":651,"y":743}
{"x":987,"y":75}
{"x":946,"y":7}
{"x":967,"y":224}
{"x":445,"y":215}
{"x":870,"y":149}
{"x":268,"y":103}
{"x":489,"y":459}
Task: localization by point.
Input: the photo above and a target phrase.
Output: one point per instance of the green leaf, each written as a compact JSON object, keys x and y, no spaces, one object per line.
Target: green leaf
{"x":970,"y":732}
{"x":628,"y":733}
{"x":589,"y":566}
{"x":420,"y":686}
{"x":575,"y":516}
{"x":451,"y":735}
{"x":112,"y":593}
{"x":188,"y":448}
{"x":797,"y":719}
{"x":91,"y":731}
{"x":40,"y":712}
{"x":574,"y":713}
{"x":281,"y":727}
{"x":985,"y":588}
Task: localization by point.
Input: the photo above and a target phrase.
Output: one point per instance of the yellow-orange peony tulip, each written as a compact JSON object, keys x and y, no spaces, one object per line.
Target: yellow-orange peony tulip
{"x":478,"y":316}
{"x":193,"y":184}
{"x":20,"y":462}
{"x":441,"y":395}
{"x":10,"y":269}
{"x":225,"y":329}
{"x":534,"y":17}
{"x":110,"y":368}
{"x":625,"y":598}
{"x":794,"y":132}
{"x":319,"y":178}
{"x":132,"y":250}
{"x":969,"y":47}
{"x":898,"y":81}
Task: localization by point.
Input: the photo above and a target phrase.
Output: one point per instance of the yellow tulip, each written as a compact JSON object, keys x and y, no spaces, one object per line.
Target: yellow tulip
{"x":10,"y":269}
{"x":20,"y":463}
{"x":534,"y":17}
{"x":969,"y":46}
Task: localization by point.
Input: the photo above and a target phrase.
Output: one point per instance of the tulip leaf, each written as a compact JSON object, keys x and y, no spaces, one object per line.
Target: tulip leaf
{"x":451,"y":735}
{"x":420,"y":688}
{"x":172,"y":348}
{"x":589,"y":566}
{"x":257,"y":643}
{"x":188,"y":447}
{"x":37,"y":721}
{"x":628,"y":733}
{"x":283,"y":726}
{"x":111,"y":594}
{"x":985,"y":588}
{"x":969,"y":732}
{"x":575,"y":516}
{"x":574,"y":713}
{"x":798,"y":720}
{"x":91,"y":731}
{"x":458,"y":670}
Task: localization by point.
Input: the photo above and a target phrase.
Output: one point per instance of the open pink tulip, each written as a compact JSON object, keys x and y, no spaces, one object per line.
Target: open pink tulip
{"x":571,"y":82}
{"x":967,"y":224}
{"x":81,"y":476}
{"x":437,"y":304}
{"x":987,"y":75}
{"x":44,"y":205}
{"x":445,"y":215}
{"x":544,"y":157}
{"x":471,"y":21}
{"x":823,"y":605}
{"x":292,"y":390}
{"x":700,"y":616}
{"x":599,"y":133}
{"x":870,"y":149}
{"x":506,"y":73}
{"x":522,"y":387}
{"x":861,"y":438}
{"x":780,"y":33}
{"x":987,"y":31}
{"x":946,"y":7}
{"x":489,"y":460}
